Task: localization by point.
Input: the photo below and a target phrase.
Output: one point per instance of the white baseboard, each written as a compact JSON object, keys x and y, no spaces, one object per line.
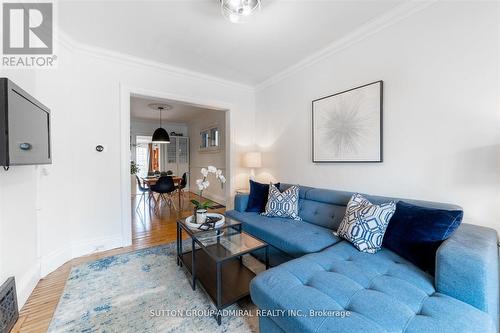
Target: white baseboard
{"x":84,"y":247}
{"x":214,"y":197}
{"x":54,"y":260}
{"x":89,"y":246}
{"x":26,"y":284}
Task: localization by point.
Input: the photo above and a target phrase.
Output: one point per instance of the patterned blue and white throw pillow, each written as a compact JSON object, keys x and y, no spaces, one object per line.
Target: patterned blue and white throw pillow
{"x":283,"y":204}
{"x":364,"y":224}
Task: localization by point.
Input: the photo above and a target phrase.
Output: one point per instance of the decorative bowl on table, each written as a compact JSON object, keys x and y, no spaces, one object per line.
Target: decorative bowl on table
{"x":213,"y":221}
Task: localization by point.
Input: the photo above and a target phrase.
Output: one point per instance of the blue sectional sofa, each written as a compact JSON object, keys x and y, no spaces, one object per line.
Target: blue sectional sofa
{"x":316,"y":271}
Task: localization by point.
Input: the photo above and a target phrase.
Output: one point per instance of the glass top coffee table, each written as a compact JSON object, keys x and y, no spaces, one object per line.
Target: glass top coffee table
{"x":215,"y":261}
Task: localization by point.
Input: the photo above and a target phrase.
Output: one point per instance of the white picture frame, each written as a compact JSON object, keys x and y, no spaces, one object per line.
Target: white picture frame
{"x":347,"y":127}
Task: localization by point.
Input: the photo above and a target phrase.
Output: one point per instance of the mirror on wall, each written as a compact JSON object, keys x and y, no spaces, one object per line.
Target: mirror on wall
{"x":214,"y":137}
{"x":205,"y":138}
{"x":210,"y":139}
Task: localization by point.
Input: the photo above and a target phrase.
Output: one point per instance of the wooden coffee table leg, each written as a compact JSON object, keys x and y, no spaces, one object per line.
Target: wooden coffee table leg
{"x":177,"y":243}
{"x":219,"y":291}
{"x":193,"y":265}
{"x":180,"y":244}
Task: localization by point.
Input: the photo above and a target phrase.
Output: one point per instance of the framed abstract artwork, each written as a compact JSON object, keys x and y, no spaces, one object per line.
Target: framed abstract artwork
{"x":347,"y":126}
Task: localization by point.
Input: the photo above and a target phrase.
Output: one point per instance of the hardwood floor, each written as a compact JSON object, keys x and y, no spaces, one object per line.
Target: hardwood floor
{"x":147,"y":230}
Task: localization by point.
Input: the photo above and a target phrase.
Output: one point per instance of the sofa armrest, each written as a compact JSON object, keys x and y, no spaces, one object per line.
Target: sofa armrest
{"x":467,"y":268}
{"x":241,"y":202}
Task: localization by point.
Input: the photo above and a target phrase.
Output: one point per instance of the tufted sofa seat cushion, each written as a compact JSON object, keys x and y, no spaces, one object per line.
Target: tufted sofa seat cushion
{"x":382,"y":291}
{"x":295,"y":238}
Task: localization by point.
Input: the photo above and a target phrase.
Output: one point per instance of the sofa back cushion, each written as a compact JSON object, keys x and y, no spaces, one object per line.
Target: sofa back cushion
{"x":326,"y":208}
{"x":322,"y":207}
{"x":320,"y":213}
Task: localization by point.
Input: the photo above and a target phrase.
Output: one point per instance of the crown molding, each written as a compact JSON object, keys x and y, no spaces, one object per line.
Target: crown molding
{"x":370,"y":28}
{"x":64,"y":40}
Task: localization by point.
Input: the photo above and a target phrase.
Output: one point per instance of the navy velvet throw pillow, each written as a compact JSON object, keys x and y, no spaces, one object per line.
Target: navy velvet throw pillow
{"x":416,"y":232}
{"x":257,"y":199}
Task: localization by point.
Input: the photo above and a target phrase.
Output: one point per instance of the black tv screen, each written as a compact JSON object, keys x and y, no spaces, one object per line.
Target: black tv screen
{"x":24,"y":127}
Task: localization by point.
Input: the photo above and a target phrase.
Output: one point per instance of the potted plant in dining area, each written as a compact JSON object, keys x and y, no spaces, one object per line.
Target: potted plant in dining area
{"x":134,"y":170}
{"x":200,"y":208}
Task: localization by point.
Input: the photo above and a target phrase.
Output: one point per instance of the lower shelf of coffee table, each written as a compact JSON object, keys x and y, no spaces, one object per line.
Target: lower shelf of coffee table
{"x":235,"y":277}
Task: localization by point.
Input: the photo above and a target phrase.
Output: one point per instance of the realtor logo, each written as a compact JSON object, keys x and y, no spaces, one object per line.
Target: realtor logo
{"x":28,"y":33}
{"x":27,"y":28}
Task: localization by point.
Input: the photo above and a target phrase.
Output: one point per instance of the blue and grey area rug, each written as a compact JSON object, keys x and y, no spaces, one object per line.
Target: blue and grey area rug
{"x":141,"y":291}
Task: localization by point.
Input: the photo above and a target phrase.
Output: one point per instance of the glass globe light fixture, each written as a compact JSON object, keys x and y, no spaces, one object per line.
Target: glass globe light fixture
{"x":237,"y":11}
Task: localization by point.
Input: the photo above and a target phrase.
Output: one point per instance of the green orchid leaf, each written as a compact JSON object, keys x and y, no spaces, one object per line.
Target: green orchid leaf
{"x":207,"y":204}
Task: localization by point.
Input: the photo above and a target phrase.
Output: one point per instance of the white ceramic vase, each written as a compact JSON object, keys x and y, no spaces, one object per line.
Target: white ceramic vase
{"x":201,"y":216}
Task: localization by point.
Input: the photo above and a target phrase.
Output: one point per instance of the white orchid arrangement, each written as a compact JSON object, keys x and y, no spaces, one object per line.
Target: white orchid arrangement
{"x":203,"y":184}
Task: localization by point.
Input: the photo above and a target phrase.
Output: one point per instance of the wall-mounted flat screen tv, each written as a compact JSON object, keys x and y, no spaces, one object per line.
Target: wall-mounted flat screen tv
{"x":24,"y":127}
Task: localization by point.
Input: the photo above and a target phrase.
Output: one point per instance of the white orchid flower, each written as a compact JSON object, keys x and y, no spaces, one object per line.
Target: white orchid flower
{"x":204,"y":172}
{"x":203,"y":183}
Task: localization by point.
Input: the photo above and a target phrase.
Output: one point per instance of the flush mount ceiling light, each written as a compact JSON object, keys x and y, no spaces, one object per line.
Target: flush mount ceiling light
{"x":160,"y":135}
{"x":237,"y":11}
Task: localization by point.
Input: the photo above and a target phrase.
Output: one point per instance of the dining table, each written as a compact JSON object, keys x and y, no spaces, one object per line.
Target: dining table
{"x":151,"y":180}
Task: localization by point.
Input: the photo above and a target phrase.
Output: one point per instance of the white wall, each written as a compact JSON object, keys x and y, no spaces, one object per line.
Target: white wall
{"x":18,"y":228}
{"x":21,"y":213}
{"x":440,"y":68}
{"x":201,"y":159}
{"x":79,"y":195}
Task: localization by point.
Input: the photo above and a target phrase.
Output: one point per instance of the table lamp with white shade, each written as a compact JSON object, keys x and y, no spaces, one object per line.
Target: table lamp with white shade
{"x":252,"y":160}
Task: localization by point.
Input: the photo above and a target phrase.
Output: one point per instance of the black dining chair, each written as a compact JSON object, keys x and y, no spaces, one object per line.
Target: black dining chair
{"x":145,"y":194}
{"x":164,"y":187}
{"x":183,"y":183}
{"x":167,"y":173}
